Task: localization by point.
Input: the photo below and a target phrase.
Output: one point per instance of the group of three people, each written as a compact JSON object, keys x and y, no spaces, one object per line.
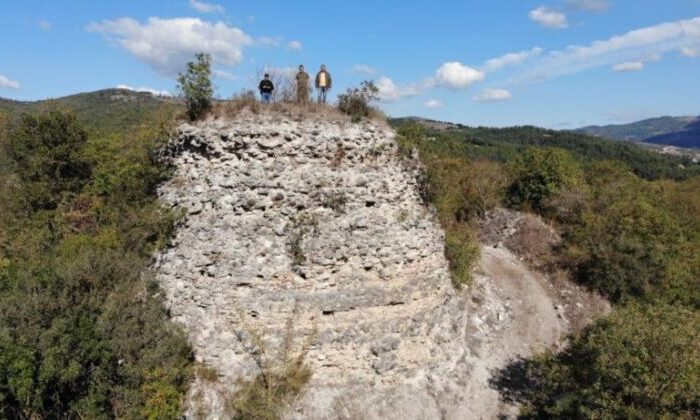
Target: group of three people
{"x":323,"y":84}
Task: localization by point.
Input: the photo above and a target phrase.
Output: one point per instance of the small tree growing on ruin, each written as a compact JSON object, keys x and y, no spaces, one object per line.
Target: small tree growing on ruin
{"x":356,"y":102}
{"x":195,"y":86}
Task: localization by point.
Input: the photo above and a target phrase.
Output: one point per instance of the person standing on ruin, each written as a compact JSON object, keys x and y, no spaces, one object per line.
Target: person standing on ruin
{"x":266,"y":87}
{"x":302,"y":79}
{"x":323,"y":83}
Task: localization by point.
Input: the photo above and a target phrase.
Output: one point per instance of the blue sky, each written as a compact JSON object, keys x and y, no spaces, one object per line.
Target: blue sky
{"x":553,"y":63}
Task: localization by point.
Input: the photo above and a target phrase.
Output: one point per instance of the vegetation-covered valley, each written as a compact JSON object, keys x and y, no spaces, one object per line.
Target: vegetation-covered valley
{"x":630,"y":226}
{"x":84,"y":334}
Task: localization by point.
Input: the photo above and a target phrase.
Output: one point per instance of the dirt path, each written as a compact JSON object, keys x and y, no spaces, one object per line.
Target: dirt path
{"x":517,"y":313}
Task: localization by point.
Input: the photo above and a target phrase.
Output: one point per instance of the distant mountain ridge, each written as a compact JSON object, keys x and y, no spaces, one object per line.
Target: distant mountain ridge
{"x":106,"y":110}
{"x":671,"y":131}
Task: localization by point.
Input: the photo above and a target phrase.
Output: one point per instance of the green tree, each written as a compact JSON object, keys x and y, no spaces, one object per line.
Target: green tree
{"x":541,"y":172}
{"x":356,"y":102}
{"x":643,"y":361}
{"x":623,"y":242}
{"x":46,"y":152}
{"x":195,"y":86}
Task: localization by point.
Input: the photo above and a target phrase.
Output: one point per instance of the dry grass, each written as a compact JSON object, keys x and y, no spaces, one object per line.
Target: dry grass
{"x":535,"y":242}
{"x":247,"y":102}
{"x":206,"y":373}
{"x":282,"y":376}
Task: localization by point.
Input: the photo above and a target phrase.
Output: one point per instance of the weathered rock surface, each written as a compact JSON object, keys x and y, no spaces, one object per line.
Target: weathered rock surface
{"x":321,"y":223}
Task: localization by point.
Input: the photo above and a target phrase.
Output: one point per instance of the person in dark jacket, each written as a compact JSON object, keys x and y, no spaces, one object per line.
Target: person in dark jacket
{"x":266,"y":87}
{"x":323,"y":83}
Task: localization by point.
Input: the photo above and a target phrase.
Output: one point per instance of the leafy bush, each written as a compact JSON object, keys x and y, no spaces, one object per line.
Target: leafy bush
{"x":485,"y":187}
{"x":461,"y":251}
{"x":540,"y":173}
{"x":356,"y":102}
{"x":452,"y":186}
{"x":195,"y":86}
{"x":619,"y":239}
{"x":640,"y":362}
{"x":46,"y":152}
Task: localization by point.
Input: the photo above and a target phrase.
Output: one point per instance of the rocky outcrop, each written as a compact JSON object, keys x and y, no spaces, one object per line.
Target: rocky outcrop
{"x":317,"y":225}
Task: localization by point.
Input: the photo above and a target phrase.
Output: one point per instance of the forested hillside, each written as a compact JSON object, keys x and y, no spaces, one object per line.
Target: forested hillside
{"x":629,"y":230}
{"x":674,"y":131}
{"x":105,"y":111}
{"x":83,"y":333}
{"x":504,"y":144}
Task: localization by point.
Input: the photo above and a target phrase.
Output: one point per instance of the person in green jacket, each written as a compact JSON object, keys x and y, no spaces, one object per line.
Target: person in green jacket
{"x":323,"y":83}
{"x":302,"y":79}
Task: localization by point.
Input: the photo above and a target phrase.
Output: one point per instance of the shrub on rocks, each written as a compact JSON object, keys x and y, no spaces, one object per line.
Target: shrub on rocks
{"x":195,"y":86}
{"x":356,"y":102}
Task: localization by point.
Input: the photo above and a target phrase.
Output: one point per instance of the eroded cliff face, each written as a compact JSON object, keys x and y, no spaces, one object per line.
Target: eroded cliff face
{"x":315,"y":226}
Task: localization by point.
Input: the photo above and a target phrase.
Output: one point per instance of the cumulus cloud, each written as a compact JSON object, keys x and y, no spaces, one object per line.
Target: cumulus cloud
{"x":146,"y":89}
{"x":363,"y":69}
{"x":433,"y":104}
{"x":638,"y":45}
{"x":44,"y":25}
{"x":589,"y":5}
{"x":549,"y":18}
{"x":7,"y":83}
{"x":491,"y":95}
{"x":294,"y":45}
{"x":168,"y":44}
{"x":690,"y":52}
{"x":389,"y":91}
{"x":224,"y":74}
{"x":511,"y":59}
{"x":629,"y":66}
{"x":455,"y":75}
{"x":269,"y":41}
{"x":203,"y":7}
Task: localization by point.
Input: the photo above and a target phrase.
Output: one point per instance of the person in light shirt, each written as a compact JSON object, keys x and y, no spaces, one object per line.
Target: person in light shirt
{"x":323,"y":83}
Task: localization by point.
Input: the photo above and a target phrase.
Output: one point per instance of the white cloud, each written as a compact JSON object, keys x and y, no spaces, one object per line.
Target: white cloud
{"x":629,"y":66}
{"x":455,"y":75}
{"x":146,"y":89}
{"x":589,"y":5}
{"x":388,"y":91}
{"x":690,"y":52}
{"x":168,"y":44}
{"x":363,"y":69}
{"x":294,"y":45}
{"x":452,"y":75}
{"x":224,"y":74}
{"x":44,"y":25}
{"x":7,"y":83}
{"x":511,"y":59}
{"x":491,"y":95}
{"x":549,"y":18}
{"x":654,"y":57}
{"x":638,"y":45}
{"x":433,"y":104}
{"x":203,"y":7}
{"x":269,"y":41}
